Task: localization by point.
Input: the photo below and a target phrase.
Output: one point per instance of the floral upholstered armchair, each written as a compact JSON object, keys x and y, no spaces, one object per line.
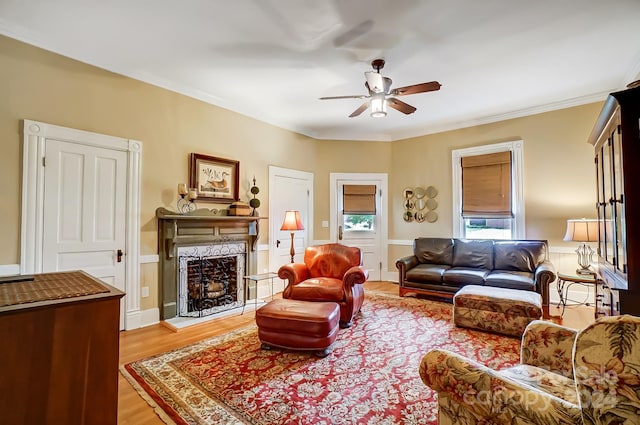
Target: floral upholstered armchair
{"x":565,"y":377}
{"x":330,"y":272}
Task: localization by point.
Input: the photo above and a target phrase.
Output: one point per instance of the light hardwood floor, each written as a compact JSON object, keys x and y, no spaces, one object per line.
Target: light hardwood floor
{"x":155,"y":339}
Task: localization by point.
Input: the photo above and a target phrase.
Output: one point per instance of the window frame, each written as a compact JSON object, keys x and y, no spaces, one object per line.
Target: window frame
{"x":517,"y":184}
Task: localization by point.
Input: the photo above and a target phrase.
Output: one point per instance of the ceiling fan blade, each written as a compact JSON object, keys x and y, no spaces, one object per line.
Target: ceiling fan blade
{"x":416,"y":88}
{"x":399,"y":105}
{"x":357,"y":96}
{"x":360,"y":110}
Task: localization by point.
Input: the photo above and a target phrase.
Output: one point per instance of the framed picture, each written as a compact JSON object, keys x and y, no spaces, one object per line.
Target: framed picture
{"x":215,"y":179}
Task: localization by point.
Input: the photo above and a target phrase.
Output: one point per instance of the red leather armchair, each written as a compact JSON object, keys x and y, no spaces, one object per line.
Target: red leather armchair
{"x":330,"y":272}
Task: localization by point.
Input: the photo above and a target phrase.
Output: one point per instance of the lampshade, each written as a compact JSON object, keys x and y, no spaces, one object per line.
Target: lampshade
{"x":292,"y":221}
{"x":378,"y":105}
{"x":584,"y":230}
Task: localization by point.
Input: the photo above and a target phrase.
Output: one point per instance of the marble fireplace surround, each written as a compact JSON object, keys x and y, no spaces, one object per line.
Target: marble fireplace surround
{"x":193,"y":231}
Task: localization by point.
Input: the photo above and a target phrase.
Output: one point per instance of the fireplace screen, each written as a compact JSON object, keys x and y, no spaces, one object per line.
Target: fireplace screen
{"x":210,"y":279}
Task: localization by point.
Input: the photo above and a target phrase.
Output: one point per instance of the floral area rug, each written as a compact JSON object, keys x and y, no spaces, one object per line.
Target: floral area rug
{"x":370,"y":376}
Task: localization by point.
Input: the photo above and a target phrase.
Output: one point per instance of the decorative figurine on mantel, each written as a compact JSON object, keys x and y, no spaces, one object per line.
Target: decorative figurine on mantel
{"x":254,"y":202}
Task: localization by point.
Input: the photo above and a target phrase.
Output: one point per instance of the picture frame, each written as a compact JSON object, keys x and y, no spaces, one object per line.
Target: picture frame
{"x":215,"y":179}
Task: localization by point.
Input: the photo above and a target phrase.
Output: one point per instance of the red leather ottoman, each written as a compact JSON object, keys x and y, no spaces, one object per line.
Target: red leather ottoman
{"x":298,"y":325}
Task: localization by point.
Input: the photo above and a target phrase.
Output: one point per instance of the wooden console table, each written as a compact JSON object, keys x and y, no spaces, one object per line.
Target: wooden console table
{"x":59,"y":358}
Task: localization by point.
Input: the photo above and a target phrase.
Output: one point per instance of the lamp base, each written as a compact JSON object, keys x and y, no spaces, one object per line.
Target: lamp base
{"x":585,"y":257}
{"x":585,"y":271}
{"x":292,"y":251}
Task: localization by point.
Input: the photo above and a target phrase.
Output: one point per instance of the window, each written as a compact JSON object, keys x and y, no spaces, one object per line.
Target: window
{"x":359,"y":207}
{"x":488,"y":198}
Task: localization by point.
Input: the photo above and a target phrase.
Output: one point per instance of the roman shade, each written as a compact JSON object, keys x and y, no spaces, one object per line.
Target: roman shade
{"x":359,"y":199}
{"x":486,"y":186}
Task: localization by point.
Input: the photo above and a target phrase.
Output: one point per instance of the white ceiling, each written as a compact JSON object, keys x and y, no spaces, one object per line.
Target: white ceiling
{"x":273,"y":59}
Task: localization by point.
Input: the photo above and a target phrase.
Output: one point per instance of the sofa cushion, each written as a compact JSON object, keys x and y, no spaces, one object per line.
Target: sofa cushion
{"x":318,"y":289}
{"x":434,"y":250}
{"x":427,"y":273}
{"x":460,"y":276}
{"x":473,"y":253}
{"x":511,"y":279}
{"x":521,"y":256}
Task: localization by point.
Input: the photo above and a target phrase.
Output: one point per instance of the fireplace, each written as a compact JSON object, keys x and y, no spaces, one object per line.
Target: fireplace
{"x":210,"y":278}
{"x":204,"y":256}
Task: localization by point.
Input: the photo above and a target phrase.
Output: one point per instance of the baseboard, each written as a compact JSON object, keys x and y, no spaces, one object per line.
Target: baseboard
{"x":9,"y":269}
{"x":390,"y":276}
{"x":132,"y":320}
{"x":149,"y":317}
{"x":141,"y":318}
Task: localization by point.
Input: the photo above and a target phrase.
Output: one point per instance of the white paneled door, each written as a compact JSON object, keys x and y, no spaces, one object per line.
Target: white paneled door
{"x":85,"y":210}
{"x":289,"y":190}
{"x":372,"y":238}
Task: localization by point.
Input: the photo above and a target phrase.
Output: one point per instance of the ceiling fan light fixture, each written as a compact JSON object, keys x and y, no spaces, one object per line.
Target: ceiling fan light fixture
{"x":378,"y":106}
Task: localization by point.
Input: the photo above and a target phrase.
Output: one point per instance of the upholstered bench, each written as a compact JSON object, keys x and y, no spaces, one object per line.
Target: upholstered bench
{"x":500,"y":310}
{"x":298,"y":325}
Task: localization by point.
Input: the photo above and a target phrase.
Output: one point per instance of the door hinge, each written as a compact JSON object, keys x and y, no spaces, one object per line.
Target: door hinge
{"x":380,"y":192}
{"x":619,"y":129}
{"x":44,"y":161}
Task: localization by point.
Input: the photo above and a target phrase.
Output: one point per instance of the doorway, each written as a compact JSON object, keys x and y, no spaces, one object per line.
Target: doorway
{"x":88,"y":216}
{"x":370,"y":235}
{"x":288,"y":190}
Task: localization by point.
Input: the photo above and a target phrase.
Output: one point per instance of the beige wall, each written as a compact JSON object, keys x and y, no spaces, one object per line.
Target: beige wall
{"x":42,"y":86}
{"x":559,"y":179}
{"x":344,"y":157}
{"x":46,"y":87}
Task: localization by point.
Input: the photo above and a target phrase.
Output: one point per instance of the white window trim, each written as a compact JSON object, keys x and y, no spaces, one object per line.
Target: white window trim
{"x":517,"y":189}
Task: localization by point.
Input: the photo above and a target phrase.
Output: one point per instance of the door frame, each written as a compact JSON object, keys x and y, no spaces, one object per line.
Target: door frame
{"x":384,"y":210}
{"x":35,"y":134}
{"x":296,"y":174}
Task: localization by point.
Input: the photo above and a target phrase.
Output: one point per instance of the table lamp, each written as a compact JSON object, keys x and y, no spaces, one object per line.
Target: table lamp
{"x":292,"y":222}
{"x":584,"y":230}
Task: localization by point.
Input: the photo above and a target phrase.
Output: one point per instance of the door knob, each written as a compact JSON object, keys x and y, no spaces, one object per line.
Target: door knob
{"x":277,"y":243}
{"x":119,"y":255}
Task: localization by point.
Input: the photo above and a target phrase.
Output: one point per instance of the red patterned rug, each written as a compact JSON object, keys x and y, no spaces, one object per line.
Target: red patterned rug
{"x":370,"y":376}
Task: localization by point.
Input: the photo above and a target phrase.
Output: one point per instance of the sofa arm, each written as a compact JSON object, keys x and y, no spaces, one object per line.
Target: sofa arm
{"x":294,"y":273}
{"x":545,"y":274}
{"x":548,"y":346}
{"x":467,"y":388}
{"x":355,"y":275}
{"x":405,"y":263}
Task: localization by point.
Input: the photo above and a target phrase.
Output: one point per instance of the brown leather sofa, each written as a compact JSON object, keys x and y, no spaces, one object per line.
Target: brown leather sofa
{"x":330,"y":272}
{"x":441,"y":266}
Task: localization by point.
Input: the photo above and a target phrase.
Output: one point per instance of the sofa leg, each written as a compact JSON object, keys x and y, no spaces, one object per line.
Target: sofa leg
{"x":345,"y":325}
{"x":265,"y":346}
{"x":322,"y":353}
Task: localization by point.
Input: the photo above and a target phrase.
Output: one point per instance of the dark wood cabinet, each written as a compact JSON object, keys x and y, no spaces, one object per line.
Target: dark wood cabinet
{"x":59,"y":356}
{"x":607,"y":300}
{"x":616,"y":140}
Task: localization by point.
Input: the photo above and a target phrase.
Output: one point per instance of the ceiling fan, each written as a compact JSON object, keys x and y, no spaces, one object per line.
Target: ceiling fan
{"x":379,"y":88}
